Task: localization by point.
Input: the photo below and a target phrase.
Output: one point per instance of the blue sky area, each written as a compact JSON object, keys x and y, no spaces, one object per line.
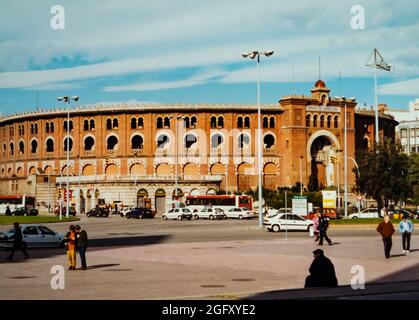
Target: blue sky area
{"x":189,"y":51}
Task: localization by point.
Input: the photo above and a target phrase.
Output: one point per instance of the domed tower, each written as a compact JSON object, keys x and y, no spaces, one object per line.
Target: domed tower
{"x":320,"y":92}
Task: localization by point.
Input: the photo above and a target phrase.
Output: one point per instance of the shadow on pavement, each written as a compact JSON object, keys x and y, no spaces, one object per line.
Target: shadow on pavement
{"x":94,"y":245}
{"x":100,"y":266}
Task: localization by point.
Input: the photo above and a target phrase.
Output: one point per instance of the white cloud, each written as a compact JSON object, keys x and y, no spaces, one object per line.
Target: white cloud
{"x":407,"y":88}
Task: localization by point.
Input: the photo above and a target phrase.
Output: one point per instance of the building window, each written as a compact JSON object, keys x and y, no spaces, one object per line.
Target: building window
{"x":186,"y":123}
{"x":50,"y":145}
{"x":137,"y":142}
{"x":133,"y":123}
{"x":140,"y":123}
{"x":216,"y":140}
{"x":115,"y":124}
{"x":239,"y":122}
{"x":89,"y":143}
{"x":67,"y":126}
{"x":336,"y":122}
{"x":308,"y":120}
{"x":272,"y":123}
{"x":190,"y":140}
{"x":92,"y":124}
{"x":159,"y":123}
{"x":220,"y":122}
{"x":34,"y":146}
{"x":47,"y":127}
{"x":403,"y":133}
{"x":243,"y":141}
{"x":112,"y":143}
{"x":21,"y":147}
{"x":162,"y":141}
{"x":166,"y":122}
{"x":322,"y":121}
{"x":12,"y":149}
{"x":213,"y":123}
{"x":194,"y":121}
{"x":246,"y":122}
{"x":315,"y":120}
{"x":268,"y":141}
{"x":70,"y":144}
{"x":265,"y":122}
{"x":108,"y":124}
{"x":329,"y":121}
{"x":36,"y":128}
{"x":86,"y":125}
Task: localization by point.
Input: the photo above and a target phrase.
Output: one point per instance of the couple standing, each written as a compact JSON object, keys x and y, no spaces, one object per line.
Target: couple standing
{"x":320,"y":226}
{"x":76,"y":240}
{"x":386,"y":229}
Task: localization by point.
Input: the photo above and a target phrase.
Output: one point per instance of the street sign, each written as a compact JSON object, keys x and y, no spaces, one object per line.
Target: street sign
{"x":299,"y":205}
{"x":329,"y":199}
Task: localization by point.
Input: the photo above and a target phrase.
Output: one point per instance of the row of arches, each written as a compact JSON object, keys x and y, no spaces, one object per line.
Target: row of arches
{"x":322,"y":121}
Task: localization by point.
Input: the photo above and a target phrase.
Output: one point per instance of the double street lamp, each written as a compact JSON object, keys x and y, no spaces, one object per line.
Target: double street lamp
{"x":252,"y":55}
{"x":67,"y":99}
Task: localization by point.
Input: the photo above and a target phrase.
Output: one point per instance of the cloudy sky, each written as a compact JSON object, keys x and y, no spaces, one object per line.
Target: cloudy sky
{"x":189,"y":51}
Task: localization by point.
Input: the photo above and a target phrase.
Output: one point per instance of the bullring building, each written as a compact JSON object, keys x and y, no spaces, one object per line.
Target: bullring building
{"x":128,"y":152}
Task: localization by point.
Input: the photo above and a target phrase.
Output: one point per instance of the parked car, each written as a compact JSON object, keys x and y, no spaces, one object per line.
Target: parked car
{"x":178,"y":214}
{"x":25,"y":212}
{"x":33,"y":236}
{"x":240,"y":213}
{"x":210,"y":213}
{"x":366,"y":213}
{"x":124,"y":211}
{"x":330,"y":213}
{"x":140,"y":213}
{"x":398,"y":213}
{"x":98,"y":212}
{"x":279,"y":211}
{"x":286,"y":221}
{"x":72,"y":211}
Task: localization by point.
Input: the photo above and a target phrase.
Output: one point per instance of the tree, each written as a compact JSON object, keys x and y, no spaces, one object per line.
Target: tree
{"x":383,"y":173}
{"x":413,"y":173}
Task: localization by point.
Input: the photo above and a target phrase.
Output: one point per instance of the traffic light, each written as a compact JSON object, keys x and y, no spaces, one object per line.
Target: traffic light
{"x":59,"y":193}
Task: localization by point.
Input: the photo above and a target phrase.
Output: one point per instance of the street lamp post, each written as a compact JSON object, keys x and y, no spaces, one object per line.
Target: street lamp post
{"x":67,"y":99}
{"x":378,"y":63}
{"x":345,"y":156}
{"x":253,"y":55}
{"x":176,"y":158}
{"x":301,"y":177}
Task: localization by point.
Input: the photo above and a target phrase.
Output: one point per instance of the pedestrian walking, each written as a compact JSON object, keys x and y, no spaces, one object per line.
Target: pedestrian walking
{"x":406,"y":229}
{"x":17,"y":242}
{"x":316,"y":220}
{"x":82,"y":246}
{"x":386,"y":229}
{"x":323,"y":226}
{"x":8,"y":211}
{"x":70,"y":243}
{"x":322,"y":272}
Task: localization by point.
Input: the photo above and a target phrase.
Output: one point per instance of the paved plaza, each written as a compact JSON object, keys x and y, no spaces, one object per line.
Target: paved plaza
{"x":232,"y":259}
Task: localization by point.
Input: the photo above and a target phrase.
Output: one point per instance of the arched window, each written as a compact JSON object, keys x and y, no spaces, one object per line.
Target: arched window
{"x":329,"y":121}
{"x":133,"y":123}
{"x":315,"y":120}
{"x":167,"y":122}
{"x":70,"y":144}
{"x":190,"y":139}
{"x":239,"y":122}
{"x":86,"y":125}
{"x":162,"y":140}
{"x":159,"y":123}
{"x":268,"y":141}
{"x":32,"y":130}
{"x":36,"y":128}
{"x":272,"y":123}
{"x":140,"y":122}
{"x":111,"y":143}
{"x":21,"y":147}
{"x":186,"y":122}
{"x":92,"y":124}
{"x":308,"y":120}
{"x":89,"y":143}
{"x":51,"y":127}
{"x":246,"y":122}
{"x":108,"y":124}
{"x":12,"y":149}
{"x":322,"y":121}
{"x":4,"y":150}
{"x":193,"y":122}
{"x":115,"y":123}
{"x":34,"y":146}
{"x":46,"y":127}
{"x":213,"y":123}
{"x":336,"y":121}
{"x":216,"y":140}
{"x":137,"y":142}
{"x":265,"y":122}
{"x":220,"y":122}
{"x":243,"y":140}
{"x":50,"y":145}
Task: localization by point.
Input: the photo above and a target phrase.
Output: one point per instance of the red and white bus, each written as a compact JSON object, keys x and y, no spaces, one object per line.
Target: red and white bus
{"x":15,"y":202}
{"x":224,"y":202}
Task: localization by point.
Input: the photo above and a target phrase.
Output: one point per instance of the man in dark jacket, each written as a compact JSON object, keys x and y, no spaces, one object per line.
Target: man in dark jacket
{"x":17,"y":243}
{"x":323,"y":226}
{"x":322,"y":272}
{"x":82,"y":246}
{"x":386,"y":229}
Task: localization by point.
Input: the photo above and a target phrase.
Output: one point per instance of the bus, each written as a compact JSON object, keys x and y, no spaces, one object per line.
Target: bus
{"x":224,"y":202}
{"x":15,"y":202}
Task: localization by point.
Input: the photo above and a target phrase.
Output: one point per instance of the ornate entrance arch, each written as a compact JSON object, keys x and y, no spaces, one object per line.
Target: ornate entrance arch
{"x":321,"y":147}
